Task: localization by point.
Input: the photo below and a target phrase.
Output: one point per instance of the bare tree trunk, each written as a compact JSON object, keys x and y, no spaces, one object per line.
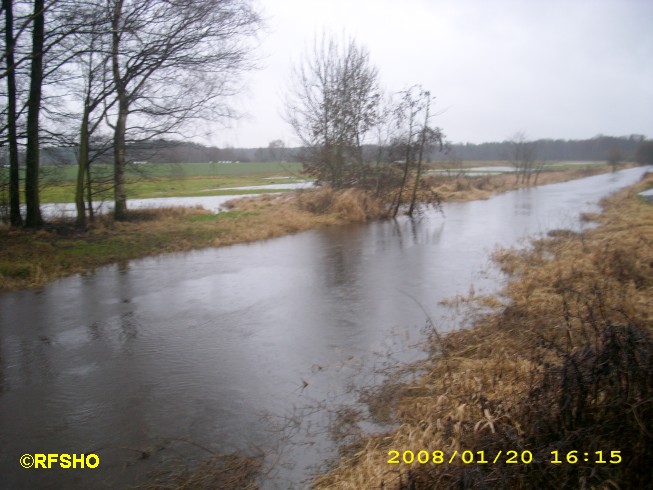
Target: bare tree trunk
{"x":89,"y":193}
{"x":422,"y":143}
{"x":418,"y":176}
{"x":404,"y":176}
{"x":82,"y":167}
{"x":120,"y":195}
{"x":33,"y":217}
{"x":15,"y":217}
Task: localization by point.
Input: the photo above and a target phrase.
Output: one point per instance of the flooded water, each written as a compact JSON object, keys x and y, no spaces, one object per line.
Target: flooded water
{"x":210,"y":203}
{"x":291,"y":186}
{"x":146,"y":361}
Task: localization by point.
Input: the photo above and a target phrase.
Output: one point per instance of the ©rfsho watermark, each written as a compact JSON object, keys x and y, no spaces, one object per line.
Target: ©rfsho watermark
{"x":63,"y":460}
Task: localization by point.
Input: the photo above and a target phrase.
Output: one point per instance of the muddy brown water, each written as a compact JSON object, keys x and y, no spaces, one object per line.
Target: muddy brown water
{"x":148,"y":363}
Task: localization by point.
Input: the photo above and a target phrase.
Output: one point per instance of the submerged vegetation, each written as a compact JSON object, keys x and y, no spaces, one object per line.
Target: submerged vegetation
{"x":557,"y":377}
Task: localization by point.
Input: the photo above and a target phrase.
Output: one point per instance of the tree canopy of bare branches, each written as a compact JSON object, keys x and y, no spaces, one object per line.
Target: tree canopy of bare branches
{"x":332,"y":106}
{"x":414,"y":136}
{"x":172,"y":62}
{"x":522,"y":155}
{"x":139,"y":68}
{"x":352,"y":136}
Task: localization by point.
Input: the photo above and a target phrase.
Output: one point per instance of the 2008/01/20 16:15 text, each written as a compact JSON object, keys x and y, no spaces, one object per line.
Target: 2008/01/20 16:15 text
{"x":510,"y":457}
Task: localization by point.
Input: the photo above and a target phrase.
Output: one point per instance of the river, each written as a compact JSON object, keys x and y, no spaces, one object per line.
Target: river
{"x":220,"y":347}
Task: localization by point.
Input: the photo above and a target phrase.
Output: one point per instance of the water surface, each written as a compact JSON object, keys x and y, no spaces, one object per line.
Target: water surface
{"x":218,"y":347}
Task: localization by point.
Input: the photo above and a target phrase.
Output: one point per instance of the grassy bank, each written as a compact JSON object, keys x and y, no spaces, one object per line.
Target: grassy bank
{"x":560,"y":369}
{"x":30,"y":259}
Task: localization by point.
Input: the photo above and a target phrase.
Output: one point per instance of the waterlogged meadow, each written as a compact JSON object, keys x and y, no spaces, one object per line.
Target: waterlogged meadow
{"x":148,"y":180}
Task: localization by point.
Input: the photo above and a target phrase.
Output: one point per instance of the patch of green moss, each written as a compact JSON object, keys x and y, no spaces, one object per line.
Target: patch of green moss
{"x":16,"y":271}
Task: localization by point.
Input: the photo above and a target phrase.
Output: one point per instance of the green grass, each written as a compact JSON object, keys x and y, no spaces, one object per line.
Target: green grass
{"x":58,"y":173}
{"x":164,"y":188}
{"x":572,"y":165}
{"x":223,"y":216}
{"x":19,"y":270}
{"x":175,"y":180}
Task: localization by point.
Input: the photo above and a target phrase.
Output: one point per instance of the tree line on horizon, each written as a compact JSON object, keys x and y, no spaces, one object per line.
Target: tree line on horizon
{"x":170,"y":151}
{"x":590,"y":149}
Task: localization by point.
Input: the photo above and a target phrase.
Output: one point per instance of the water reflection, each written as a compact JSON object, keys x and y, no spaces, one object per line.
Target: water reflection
{"x":144,"y":355}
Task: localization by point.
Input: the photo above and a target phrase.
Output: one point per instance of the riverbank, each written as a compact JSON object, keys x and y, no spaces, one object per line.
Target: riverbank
{"x":556,"y":376}
{"x":31,"y":259}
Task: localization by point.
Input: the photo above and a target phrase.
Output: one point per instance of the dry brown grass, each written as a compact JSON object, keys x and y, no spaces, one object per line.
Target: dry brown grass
{"x":468,"y":188}
{"x":564,"y":363}
{"x":219,"y":471}
{"x":349,"y":205}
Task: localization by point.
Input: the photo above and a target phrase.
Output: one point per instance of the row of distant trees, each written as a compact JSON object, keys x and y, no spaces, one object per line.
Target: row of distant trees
{"x":526,"y":156}
{"x":601,"y":148}
{"x":591,"y":149}
{"x":99,"y":75}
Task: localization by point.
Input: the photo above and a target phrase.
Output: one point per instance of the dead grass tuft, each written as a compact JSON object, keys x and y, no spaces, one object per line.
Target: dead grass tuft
{"x":220,"y":471}
{"x":353,"y":205}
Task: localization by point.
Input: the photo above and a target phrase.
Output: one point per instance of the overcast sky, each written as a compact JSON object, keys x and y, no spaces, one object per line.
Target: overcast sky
{"x":552,"y":69}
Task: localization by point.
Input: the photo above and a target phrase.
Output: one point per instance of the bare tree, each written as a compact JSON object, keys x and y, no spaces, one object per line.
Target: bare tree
{"x":33,"y":217}
{"x":336,"y":109}
{"x":384,"y":172}
{"x":414,"y":138}
{"x":332,"y":106}
{"x":521,"y":155}
{"x":47,"y":58}
{"x":427,"y":138}
{"x":15,"y":217}
{"x":44,"y":42}
{"x":96,"y":95}
{"x":406,"y":114}
{"x":173,"y":62}
{"x":538,"y":168}
{"x":644,"y":152}
{"x":614,"y":158}
{"x":275,"y":150}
